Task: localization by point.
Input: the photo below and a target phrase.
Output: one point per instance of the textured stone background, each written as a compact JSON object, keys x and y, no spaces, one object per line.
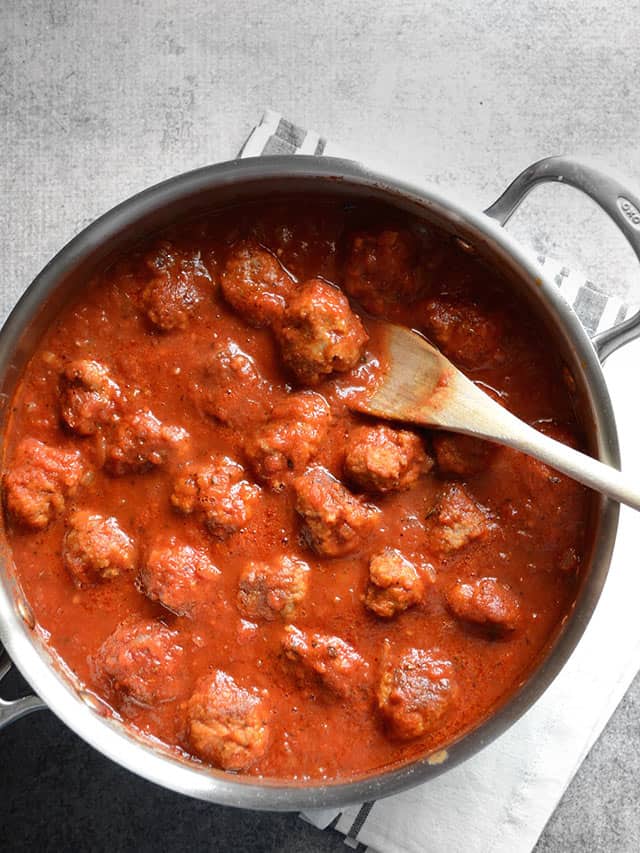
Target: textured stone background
{"x":100,"y":99}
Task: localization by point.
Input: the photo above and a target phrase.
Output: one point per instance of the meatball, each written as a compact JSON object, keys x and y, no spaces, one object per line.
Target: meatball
{"x":232,"y":390}
{"x":172,"y":294}
{"x":89,"y":397}
{"x":325,"y":661}
{"x":384,"y":268}
{"x":456,"y":521}
{"x":394,"y":584}
{"x":486,"y":602}
{"x":320,"y":334}
{"x":39,"y":481}
{"x":461,"y":455}
{"x":226,"y":724}
{"x":168,"y":300}
{"x":142,"y":660}
{"x":334,"y":520}
{"x":165,"y":257}
{"x":273,"y":590}
{"x":256,"y":284}
{"x":95,"y":548}
{"x":289,"y":439}
{"x":415,"y":693}
{"x":464,"y":455}
{"x":178,"y":576}
{"x":290,"y":242}
{"x":466,"y":334}
{"x":140,"y":442}
{"x":382,"y":459}
{"x":218,"y":493}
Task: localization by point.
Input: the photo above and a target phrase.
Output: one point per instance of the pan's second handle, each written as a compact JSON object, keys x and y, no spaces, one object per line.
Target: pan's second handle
{"x":12,"y":710}
{"x":616,"y":199}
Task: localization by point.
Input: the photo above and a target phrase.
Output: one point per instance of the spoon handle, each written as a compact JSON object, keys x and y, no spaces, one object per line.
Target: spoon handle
{"x":422,"y":386}
{"x":467,"y":404}
{"x":603,"y":478}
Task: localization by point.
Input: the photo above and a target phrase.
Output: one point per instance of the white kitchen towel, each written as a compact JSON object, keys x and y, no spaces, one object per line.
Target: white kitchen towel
{"x":499,"y":800}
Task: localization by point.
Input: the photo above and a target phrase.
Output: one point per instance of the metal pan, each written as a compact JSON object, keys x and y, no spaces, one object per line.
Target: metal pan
{"x":236,"y":182}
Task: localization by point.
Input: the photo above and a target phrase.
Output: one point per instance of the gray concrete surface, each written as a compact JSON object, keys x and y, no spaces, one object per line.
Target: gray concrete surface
{"x":100,"y":99}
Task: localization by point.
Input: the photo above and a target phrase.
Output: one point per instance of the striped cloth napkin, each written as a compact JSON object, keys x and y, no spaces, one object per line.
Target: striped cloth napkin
{"x":499,"y":800}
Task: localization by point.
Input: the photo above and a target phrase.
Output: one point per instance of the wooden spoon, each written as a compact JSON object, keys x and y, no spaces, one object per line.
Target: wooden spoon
{"x":421,"y":386}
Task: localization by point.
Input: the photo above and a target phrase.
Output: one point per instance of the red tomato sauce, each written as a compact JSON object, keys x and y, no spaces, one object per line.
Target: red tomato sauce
{"x":339,"y":595}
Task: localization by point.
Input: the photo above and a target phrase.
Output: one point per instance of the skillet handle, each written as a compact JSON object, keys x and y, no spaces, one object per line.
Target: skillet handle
{"x":13,"y":710}
{"x":617,"y":200}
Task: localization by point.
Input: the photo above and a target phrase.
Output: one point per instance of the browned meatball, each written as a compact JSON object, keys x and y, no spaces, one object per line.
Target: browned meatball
{"x":461,"y":455}
{"x":256,"y":284}
{"x":173,"y":293}
{"x":290,"y":242}
{"x":95,"y":548}
{"x":394,"y":584}
{"x":141,"y":661}
{"x":232,"y":389}
{"x":415,"y":693}
{"x":325,"y":661}
{"x":335,"y":520}
{"x":283,"y":445}
{"x":89,"y":397}
{"x":218,"y":493}
{"x":140,"y":442}
{"x":320,"y":334}
{"x":384,"y":268}
{"x":382,"y":459}
{"x":456,"y":521}
{"x":486,"y":602}
{"x":273,"y":590}
{"x":226,"y":724}
{"x":165,"y":256}
{"x":178,"y":576}
{"x":39,"y":481}
{"x":466,"y":334}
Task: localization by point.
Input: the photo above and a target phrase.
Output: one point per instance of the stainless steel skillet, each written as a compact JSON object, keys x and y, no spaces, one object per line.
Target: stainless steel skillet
{"x":238,"y":181}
